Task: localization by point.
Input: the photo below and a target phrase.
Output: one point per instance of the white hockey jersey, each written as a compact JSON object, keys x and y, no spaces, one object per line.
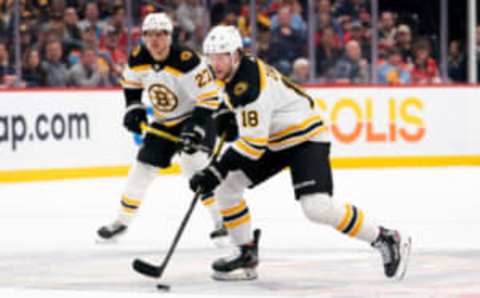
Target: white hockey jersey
{"x":271,"y":111}
{"x":174,"y":86}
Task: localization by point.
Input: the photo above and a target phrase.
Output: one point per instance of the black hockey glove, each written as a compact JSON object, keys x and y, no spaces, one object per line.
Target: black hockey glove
{"x":206,"y":180}
{"x":226,"y":124}
{"x":134,"y":116}
{"x":190,"y":138}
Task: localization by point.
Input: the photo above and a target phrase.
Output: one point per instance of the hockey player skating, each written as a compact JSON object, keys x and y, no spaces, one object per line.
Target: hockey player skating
{"x":278,"y":127}
{"x":183,"y":95}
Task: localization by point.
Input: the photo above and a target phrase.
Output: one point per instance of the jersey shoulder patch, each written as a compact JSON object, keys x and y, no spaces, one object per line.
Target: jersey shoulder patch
{"x":182,"y":59}
{"x":139,"y":55}
{"x":244,"y":88}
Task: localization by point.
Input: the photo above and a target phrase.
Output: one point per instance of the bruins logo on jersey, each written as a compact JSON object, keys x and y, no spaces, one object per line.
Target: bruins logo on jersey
{"x":162,"y":98}
{"x":240,"y":88}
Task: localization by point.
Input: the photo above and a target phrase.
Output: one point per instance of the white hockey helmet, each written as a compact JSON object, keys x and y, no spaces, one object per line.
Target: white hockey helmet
{"x":158,"y":21}
{"x":222,"y":39}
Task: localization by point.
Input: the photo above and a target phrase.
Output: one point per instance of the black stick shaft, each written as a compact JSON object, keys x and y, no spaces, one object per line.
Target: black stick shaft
{"x":186,"y":218}
{"x":179,"y":232}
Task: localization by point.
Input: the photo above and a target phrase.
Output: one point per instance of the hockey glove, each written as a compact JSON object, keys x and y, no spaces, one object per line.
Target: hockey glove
{"x":191,"y":137}
{"x":206,"y":180}
{"x":226,"y":124}
{"x":134,"y":116}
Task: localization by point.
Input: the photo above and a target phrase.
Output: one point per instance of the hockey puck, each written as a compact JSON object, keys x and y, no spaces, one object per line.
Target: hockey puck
{"x":165,"y":288}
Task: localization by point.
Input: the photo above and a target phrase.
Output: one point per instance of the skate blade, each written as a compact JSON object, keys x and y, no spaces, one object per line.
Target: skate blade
{"x":102,"y":241}
{"x":405,"y":249}
{"x":236,"y":275}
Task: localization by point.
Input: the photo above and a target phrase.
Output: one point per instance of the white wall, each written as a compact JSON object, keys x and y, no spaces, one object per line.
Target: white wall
{"x":60,"y":129}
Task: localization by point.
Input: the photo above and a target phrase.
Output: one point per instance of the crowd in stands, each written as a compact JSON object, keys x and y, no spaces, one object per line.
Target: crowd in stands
{"x":81,"y":43}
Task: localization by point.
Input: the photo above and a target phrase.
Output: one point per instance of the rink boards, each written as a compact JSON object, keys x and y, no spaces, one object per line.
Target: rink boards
{"x":63,"y":133}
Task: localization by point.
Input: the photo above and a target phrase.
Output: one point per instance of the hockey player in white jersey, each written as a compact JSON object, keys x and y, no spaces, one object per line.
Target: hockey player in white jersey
{"x":278,"y":127}
{"x":183,"y":95}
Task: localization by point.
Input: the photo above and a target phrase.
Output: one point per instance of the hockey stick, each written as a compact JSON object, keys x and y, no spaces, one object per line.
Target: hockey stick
{"x":156,"y":271}
{"x":168,"y":136}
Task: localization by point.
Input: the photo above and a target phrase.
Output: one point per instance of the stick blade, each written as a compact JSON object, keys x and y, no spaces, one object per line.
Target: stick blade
{"x":146,"y":268}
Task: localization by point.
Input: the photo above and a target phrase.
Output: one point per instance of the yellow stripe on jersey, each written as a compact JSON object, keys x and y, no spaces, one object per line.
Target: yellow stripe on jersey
{"x":346,"y":218}
{"x":298,"y":139}
{"x":256,"y":141}
{"x":170,"y":123}
{"x":296,"y":127}
{"x":206,"y":95}
{"x":209,"y":104}
{"x":172,"y":71}
{"x":248,"y":150}
{"x":262,"y":74}
{"x":235,"y":209}
{"x":142,"y":67}
{"x":130,"y":84}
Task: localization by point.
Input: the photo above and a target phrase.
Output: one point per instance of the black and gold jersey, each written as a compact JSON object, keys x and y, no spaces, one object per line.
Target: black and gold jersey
{"x":271,"y":111}
{"x":174,"y":86}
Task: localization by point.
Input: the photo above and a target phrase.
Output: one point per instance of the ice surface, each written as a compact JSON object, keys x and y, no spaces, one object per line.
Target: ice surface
{"x":47,"y":246}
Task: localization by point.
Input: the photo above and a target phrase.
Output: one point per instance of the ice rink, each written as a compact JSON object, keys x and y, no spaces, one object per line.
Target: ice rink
{"x":47,"y":246}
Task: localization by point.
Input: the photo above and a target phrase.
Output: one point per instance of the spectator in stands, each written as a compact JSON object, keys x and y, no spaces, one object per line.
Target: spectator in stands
{"x":387,"y":28}
{"x":54,"y":28}
{"x":324,"y":6}
{"x":118,"y":22}
{"x":325,"y":20}
{"x":263,"y":44}
{"x":327,"y":52}
{"x":457,"y":64}
{"x":403,"y":40}
{"x":86,"y":73}
{"x":352,"y":9}
{"x":92,"y":19}
{"x":294,"y":17}
{"x":190,"y":16}
{"x":6,"y":68}
{"x":89,"y":37}
{"x":351,"y":68}
{"x":301,"y":71}
{"x":32,"y":72}
{"x":26,"y":40}
{"x":72,"y":35}
{"x":425,"y":69}
{"x":357,"y":32}
{"x":57,"y":7}
{"x":3,"y":24}
{"x":55,"y":69}
{"x":287,"y":42}
{"x":114,"y":54}
{"x":393,"y":71}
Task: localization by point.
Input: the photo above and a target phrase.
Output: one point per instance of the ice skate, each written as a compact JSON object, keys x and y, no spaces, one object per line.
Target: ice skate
{"x":240,"y":266}
{"x":395,"y":251}
{"x":111,"y":232}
